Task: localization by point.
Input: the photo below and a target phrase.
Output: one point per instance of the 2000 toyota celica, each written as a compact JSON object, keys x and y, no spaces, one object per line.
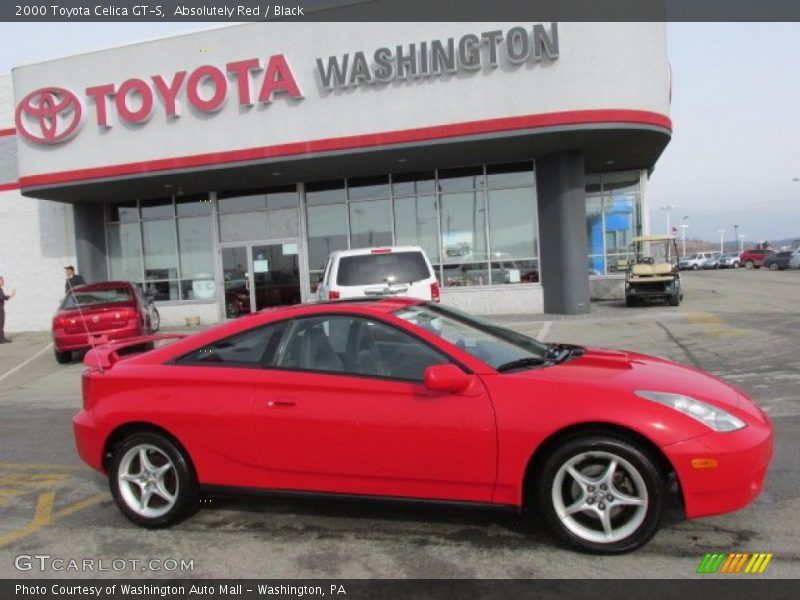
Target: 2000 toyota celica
{"x":396,"y":398}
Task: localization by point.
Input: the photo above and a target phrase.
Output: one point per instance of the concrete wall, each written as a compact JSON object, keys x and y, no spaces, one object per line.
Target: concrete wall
{"x":496,"y":300}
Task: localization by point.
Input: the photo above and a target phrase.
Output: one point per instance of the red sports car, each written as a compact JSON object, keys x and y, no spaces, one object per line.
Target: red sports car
{"x":405,"y":399}
{"x":101,"y":312}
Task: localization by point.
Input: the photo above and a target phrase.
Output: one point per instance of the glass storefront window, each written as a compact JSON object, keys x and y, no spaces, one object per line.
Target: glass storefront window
{"x":463,"y":227}
{"x":123,"y":212}
{"x":370,"y":224}
{"x":462,"y":179}
{"x":367,"y":187}
{"x":511,"y":175}
{"x":327,"y":192}
{"x":125,"y":252}
{"x":327,"y":231}
{"x":613,"y":219}
{"x":412,"y":184}
{"x":169,"y":257}
{"x":464,"y":274}
{"x":512,"y":223}
{"x":416,"y":224}
{"x":157,"y":209}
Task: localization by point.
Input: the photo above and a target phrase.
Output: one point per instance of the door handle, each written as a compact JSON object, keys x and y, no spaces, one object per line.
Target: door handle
{"x":283,"y":403}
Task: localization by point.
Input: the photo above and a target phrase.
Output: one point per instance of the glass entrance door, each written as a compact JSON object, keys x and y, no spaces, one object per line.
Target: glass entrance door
{"x":258,"y":276}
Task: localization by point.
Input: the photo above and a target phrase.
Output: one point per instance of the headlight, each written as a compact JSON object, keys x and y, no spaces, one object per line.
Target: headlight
{"x":715,"y":418}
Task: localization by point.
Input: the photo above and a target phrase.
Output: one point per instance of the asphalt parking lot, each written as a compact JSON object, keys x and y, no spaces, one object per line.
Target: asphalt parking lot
{"x":741,"y":325}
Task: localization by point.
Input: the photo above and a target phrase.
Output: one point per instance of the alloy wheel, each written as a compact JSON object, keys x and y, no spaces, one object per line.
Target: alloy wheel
{"x":148,"y":481}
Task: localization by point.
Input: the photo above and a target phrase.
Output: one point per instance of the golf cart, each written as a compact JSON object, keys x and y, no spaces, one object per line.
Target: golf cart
{"x":653,"y":272}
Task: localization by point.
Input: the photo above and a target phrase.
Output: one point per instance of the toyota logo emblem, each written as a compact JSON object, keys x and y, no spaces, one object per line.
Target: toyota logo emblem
{"x":95,"y":319}
{"x":48,"y":115}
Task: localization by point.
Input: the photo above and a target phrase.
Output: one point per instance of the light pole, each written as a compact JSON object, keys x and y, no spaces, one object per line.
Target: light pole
{"x":741,"y":242}
{"x":721,"y":241}
{"x":684,"y":227}
{"x":668,"y":207}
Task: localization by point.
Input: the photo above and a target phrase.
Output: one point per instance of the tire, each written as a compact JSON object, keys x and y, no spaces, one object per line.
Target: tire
{"x":155,"y":321}
{"x":63,"y":358}
{"x":695,"y":267}
{"x":629,"y":524}
{"x":749,"y":264}
{"x":169,"y":479}
{"x":736,"y":265}
{"x":773,"y":266}
{"x":630,"y":301}
{"x":674,"y":299}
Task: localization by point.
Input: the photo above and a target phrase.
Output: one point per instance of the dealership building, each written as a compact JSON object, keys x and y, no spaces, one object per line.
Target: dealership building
{"x":219,"y":169}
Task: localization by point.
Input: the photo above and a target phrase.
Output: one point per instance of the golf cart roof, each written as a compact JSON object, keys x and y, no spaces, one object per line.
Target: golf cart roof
{"x":654,"y":238}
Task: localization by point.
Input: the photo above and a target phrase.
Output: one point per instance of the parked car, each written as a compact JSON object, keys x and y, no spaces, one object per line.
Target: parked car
{"x":712,"y":262}
{"x":100,"y":312}
{"x":755,"y":258}
{"x":693,"y":261}
{"x":778,"y":261}
{"x":730,"y":260}
{"x":390,"y":271}
{"x":398,"y":398}
{"x":794,"y":261}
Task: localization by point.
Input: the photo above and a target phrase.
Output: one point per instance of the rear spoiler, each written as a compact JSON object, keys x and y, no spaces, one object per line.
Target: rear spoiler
{"x":104,"y":356}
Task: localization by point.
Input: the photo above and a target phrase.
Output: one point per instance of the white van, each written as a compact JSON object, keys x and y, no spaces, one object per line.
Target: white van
{"x":390,"y":271}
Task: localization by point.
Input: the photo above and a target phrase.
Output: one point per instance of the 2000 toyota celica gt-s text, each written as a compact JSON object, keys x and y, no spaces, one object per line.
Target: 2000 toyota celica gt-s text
{"x":404,"y":399}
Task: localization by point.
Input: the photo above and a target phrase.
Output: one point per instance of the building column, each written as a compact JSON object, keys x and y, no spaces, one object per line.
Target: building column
{"x":563,"y":248}
{"x":90,"y":241}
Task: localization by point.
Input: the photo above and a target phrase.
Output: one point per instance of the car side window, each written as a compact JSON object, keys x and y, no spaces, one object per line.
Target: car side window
{"x":352,"y":345}
{"x":254,"y":348}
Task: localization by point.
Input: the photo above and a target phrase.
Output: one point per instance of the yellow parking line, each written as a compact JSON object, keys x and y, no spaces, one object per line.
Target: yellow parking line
{"x":25,"y":466}
{"x":44,"y":509}
{"x":44,"y":515}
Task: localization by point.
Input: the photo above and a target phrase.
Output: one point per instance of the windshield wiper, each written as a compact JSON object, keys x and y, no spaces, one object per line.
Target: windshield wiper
{"x":521,"y":363}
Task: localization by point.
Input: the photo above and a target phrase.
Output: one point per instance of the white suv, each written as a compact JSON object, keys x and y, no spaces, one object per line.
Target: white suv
{"x":694,"y":261}
{"x":392,"y":271}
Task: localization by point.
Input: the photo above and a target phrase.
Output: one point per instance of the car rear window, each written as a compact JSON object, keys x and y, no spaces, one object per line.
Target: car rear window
{"x":95,"y":297}
{"x":369,"y":269}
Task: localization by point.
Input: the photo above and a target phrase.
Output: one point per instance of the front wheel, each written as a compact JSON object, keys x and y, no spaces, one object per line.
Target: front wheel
{"x":773,"y":266}
{"x":749,"y":264}
{"x":152,"y":481}
{"x":601,"y":494}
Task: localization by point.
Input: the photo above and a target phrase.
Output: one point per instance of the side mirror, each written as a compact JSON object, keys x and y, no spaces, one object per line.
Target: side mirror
{"x":446,"y":378}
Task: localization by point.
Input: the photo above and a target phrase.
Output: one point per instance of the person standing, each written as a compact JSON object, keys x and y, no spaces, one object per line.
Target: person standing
{"x":3,"y":298}
{"x":73,"y":279}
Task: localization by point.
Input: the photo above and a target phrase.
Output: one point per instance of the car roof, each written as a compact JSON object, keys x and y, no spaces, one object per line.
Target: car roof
{"x":375,"y":250}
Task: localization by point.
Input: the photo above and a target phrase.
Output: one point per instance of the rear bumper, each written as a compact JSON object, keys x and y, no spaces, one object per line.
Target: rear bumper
{"x":65,"y":342}
{"x":88,"y":440}
{"x":743,"y":459}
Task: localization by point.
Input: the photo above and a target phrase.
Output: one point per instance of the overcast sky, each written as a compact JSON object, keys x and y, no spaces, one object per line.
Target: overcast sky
{"x":735,"y":109}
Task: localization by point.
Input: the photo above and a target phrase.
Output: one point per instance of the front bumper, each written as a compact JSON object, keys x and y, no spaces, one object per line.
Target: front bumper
{"x":743,"y":459}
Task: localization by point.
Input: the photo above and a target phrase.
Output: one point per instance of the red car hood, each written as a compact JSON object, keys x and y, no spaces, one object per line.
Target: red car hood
{"x":626,"y":372}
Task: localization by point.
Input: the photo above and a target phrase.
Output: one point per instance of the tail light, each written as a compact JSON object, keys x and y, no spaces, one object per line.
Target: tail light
{"x":435,"y":292}
{"x":381,"y":251}
{"x":333,"y":295}
{"x":59,"y":323}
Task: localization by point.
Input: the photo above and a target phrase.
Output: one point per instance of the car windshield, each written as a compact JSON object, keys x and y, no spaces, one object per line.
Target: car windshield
{"x":95,"y":297}
{"x":394,"y":267}
{"x":492,"y":344}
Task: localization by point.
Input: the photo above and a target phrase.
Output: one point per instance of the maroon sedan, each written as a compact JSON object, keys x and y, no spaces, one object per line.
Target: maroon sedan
{"x":101,"y":312}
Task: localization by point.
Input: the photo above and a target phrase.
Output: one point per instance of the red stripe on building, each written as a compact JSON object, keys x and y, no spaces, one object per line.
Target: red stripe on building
{"x":422,"y":134}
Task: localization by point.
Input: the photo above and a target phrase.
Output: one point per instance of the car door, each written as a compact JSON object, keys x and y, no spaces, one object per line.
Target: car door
{"x":216,"y":383}
{"x":345,"y":410}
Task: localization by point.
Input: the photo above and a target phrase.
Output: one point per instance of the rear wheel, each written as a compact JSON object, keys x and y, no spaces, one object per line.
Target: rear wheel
{"x":152,"y":481}
{"x":773,"y":266}
{"x":601,"y":494}
{"x":63,"y":357}
{"x":674,"y":299}
{"x":695,"y":267}
{"x":155,"y":321}
{"x":749,"y":264}
{"x":630,"y":301}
